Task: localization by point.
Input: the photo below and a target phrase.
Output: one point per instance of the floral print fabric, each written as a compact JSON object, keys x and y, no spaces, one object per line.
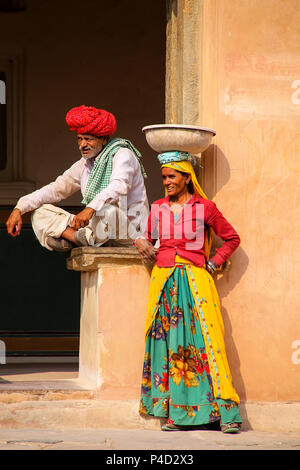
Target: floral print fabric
{"x":176,"y":380}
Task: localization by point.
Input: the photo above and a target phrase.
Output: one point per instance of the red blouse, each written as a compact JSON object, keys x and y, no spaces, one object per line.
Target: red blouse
{"x":185,"y":235}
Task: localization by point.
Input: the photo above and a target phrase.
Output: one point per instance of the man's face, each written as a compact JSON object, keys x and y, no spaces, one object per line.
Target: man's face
{"x":90,"y":145}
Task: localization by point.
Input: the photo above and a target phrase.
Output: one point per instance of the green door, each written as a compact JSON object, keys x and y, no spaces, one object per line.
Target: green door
{"x":40,"y":298}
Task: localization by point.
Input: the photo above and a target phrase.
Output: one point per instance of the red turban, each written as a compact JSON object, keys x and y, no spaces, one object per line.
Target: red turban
{"x":90,"y":120}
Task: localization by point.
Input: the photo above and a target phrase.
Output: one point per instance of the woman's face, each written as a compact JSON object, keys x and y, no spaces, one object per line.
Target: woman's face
{"x":175,"y":182}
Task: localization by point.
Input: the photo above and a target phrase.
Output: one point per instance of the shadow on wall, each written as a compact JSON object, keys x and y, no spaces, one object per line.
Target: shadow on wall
{"x":234,"y":364}
{"x":217,"y":171}
{"x":217,"y":174}
{"x":225,"y":284}
{"x":215,"y":161}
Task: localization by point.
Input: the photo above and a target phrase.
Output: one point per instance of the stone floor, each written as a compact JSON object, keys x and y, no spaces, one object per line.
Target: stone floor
{"x":121,"y":439}
{"x":45,"y":407}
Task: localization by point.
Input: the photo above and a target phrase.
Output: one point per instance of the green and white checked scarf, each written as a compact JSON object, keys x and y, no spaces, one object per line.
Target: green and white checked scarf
{"x":101,"y":172}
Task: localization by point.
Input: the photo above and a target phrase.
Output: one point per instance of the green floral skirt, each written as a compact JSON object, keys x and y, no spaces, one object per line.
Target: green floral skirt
{"x":176,"y":379}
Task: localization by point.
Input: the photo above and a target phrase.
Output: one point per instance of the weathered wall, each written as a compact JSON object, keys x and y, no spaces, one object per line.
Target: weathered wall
{"x":248,"y":73}
{"x":95,"y":53}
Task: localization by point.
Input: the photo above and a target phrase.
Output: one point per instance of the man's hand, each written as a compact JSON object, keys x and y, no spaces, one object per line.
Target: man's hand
{"x":14,"y":220}
{"x":82,"y":219}
{"x":146,"y":250}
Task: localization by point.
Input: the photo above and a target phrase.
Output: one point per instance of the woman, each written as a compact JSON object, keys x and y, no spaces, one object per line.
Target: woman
{"x":186,"y":377}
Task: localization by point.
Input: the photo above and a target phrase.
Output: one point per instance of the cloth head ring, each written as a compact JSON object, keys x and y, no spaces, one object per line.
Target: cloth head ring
{"x":172,"y":156}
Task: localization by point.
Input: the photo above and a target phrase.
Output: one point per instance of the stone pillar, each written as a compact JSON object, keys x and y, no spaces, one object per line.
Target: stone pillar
{"x":183,"y":62}
{"x":114,"y":292}
{"x":184,"y":77}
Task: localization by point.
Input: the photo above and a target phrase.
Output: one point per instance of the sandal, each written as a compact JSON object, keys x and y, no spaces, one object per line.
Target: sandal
{"x":170,"y":427}
{"x":60,"y":244}
{"x":177,"y":427}
{"x":230,"y":428}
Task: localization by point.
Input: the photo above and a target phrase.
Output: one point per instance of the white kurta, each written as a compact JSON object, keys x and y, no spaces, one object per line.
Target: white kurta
{"x":125,"y":189}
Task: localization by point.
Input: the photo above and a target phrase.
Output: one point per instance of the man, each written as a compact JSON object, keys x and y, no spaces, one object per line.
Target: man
{"x":111,"y":178}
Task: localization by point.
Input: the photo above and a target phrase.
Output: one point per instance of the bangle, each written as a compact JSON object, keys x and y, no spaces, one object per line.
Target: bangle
{"x":211,"y":266}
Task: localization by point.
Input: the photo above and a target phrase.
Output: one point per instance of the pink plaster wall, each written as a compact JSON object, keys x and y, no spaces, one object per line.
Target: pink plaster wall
{"x":251,"y":64}
{"x":122,"y":303}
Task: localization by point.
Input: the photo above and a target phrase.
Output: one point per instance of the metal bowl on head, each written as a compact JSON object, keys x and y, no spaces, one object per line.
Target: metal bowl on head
{"x":186,"y":138}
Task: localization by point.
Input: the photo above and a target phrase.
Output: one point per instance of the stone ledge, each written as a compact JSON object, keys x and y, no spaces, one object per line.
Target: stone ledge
{"x":70,"y":414}
{"x":123,"y":414}
{"x":90,"y":258}
{"x":21,"y":396}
